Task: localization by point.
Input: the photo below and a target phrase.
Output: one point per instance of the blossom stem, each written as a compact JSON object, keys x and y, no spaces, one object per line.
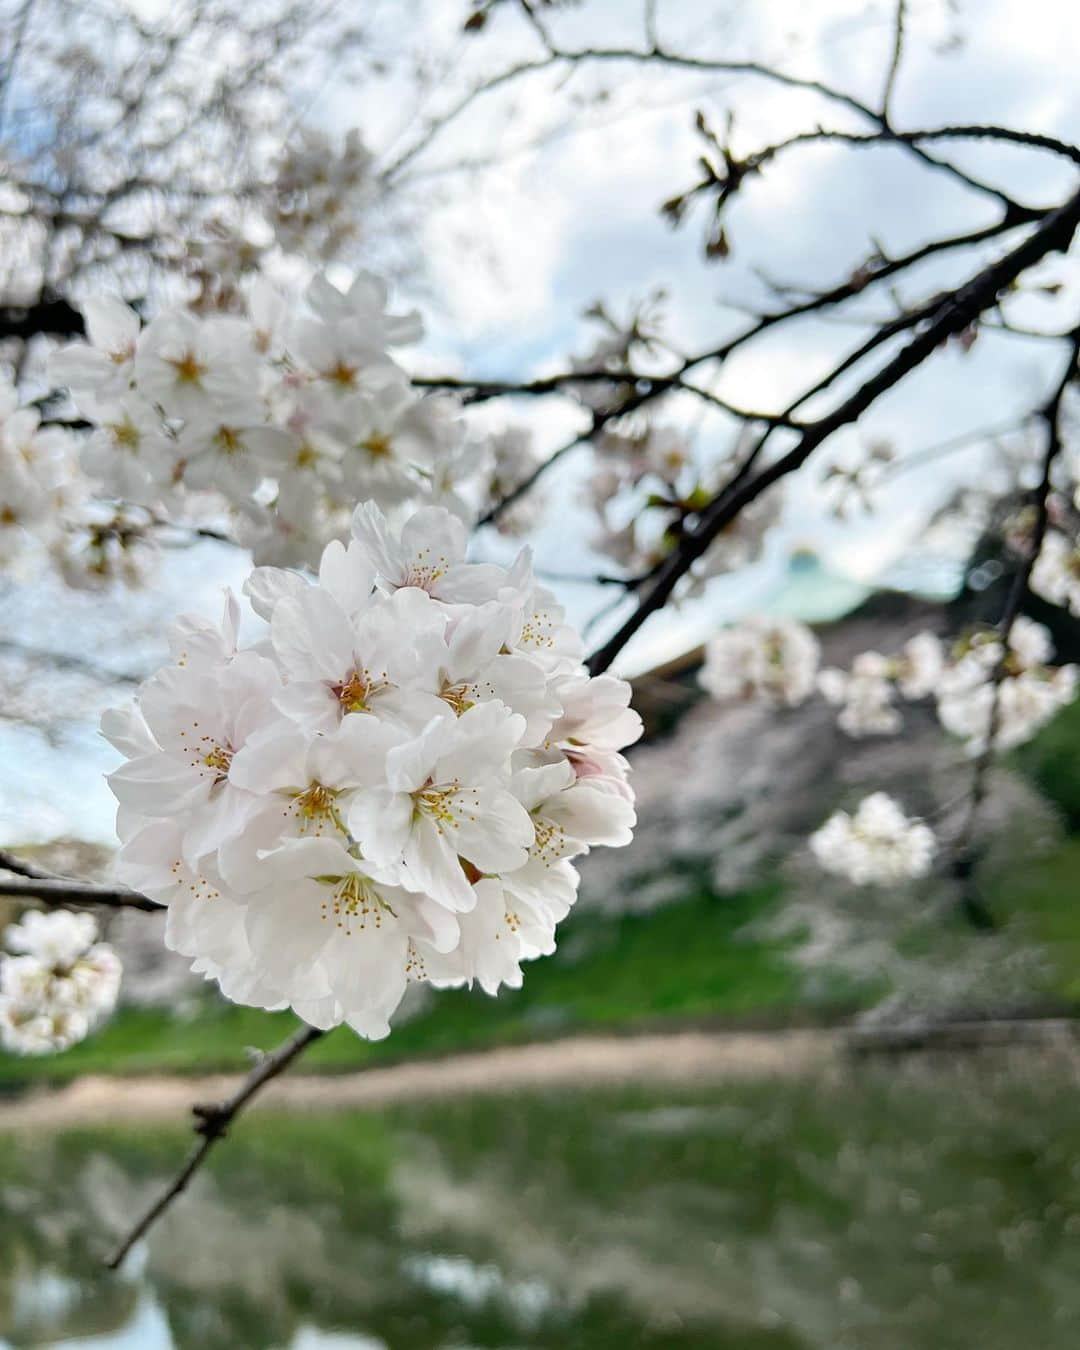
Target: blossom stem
{"x":211,"y":1123}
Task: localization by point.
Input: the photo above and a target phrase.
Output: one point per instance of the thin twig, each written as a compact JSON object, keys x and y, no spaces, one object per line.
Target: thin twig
{"x":651,"y":386}
{"x":646,"y":385}
{"x":894,"y":63}
{"x":211,"y":1124}
{"x":1054,"y":234}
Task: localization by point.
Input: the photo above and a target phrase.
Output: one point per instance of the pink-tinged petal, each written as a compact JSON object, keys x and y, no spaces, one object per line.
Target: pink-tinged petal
{"x":443,"y":929}
{"x":409,"y":766}
{"x":470,"y":583}
{"x":354,"y":755}
{"x":312,"y":704}
{"x":125,"y":729}
{"x":593,"y":815}
{"x":432,"y":537}
{"x":483,"y":738}
{"x":287,"y":931}
{"x":311,"y":857}
{"x":476,"y":639}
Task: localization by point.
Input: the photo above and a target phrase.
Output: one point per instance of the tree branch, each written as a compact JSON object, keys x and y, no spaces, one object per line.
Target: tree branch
{"x":657,"y":55}
{"x":894,"y":63}
{"x":211,"y":1124}
{"x":965,"y":854}
{"x":58,"y":891}
{"x":56,"y":317}
{"x":1054,"y":234}
{"x":35,"y":883}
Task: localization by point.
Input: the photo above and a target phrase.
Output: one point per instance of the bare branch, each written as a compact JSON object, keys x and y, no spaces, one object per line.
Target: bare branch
{"x":211,"y":1124}
{"x":648,"y":386}
{"x":1054,"y":234}
{"x":56,"y":317}
{"x":657,"y":55}
{"x":965,"y":854}
{"x":894,"y":63}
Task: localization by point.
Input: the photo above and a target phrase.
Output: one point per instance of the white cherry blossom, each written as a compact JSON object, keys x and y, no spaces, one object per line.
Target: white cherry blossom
{"x":59,"y":983}
{"x":877,"y":845}
{"x":391,"y":785}
{"x":1056,"y":573}
{"x":775,"y":659}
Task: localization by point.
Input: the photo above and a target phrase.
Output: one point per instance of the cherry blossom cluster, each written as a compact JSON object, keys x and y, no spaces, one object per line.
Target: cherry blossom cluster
{"x":514,"y":459}
{"x":57,"y":983}
{"x":1056,"y":572}
{"x":285,"y":417}
{"x":390,"y":786}
{"x":774,"y":659}
{"x":646,"y":482}
{"x":320,"y":193}
{"x":866,"y":695}
{"x":39,"y":478}
{"x":313,"y":206}
{"x":1012,"y":691}
{"x":876,"y":845}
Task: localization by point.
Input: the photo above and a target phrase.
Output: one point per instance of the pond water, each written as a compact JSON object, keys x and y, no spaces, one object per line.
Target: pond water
{"x":899,"y":1205}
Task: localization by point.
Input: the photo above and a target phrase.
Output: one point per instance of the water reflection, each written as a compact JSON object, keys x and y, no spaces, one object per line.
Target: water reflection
{"x":893,"y":1207}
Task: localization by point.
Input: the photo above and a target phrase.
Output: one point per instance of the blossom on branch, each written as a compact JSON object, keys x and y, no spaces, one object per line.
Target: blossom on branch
{"x":776,"y":659}
{"x":281,"y":417}
{"x":1008,"y":693}
{"x":1056,"y":572}
{"x":391,"y":786}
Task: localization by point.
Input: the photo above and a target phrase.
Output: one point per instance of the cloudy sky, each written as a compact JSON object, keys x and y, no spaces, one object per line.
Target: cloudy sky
{"x":563,"y":209}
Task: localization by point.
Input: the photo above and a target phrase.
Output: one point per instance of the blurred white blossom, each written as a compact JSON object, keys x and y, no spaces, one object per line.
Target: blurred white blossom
{"x":877,"y":845}
{"x":776,"y":659}
{"x":59,"y":983}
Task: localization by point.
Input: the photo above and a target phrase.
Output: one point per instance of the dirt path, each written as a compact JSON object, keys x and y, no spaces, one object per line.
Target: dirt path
{"x":580,"y":1062}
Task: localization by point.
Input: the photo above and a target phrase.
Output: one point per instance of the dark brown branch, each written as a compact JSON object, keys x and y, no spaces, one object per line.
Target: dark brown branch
{"x":961,"y":132}
{"x":211,"y":1124}
{"x":58,"y":891}
{"x":894,"y":62}
{"x":867,"y":276}
{"x":20,"y":867}
{"x":649,"y":386}
{"x":965,"y":854}
{"x":1054,"y":234}
{"x":656,"y":55}
{"x":54,"y":317}
{"x":825,"y":300}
